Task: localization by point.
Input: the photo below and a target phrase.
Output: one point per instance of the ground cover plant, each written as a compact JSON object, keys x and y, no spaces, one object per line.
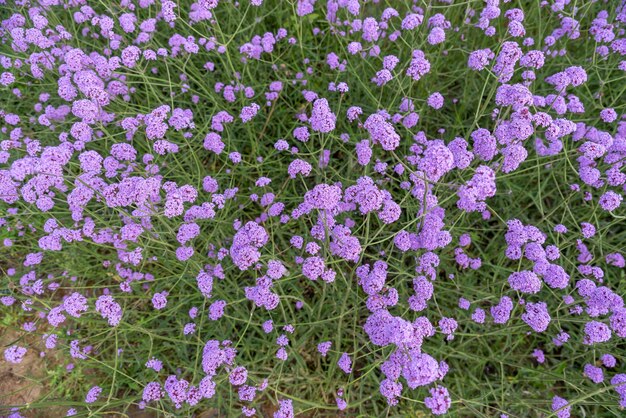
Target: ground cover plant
{"x":312,"y":208}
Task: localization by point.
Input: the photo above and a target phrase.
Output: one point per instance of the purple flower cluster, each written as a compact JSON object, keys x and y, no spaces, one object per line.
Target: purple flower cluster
{"x":322,"y":118}
{"x":300,"y":188}
{"x":14,"y":354}
{"x":246,"y":244}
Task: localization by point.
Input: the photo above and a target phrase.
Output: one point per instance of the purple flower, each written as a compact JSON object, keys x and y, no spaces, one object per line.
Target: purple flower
{"x":152,"y":392}
{"x":608,"y":115}
{"x":238,"y":376}
{"x":391,"y":390}
{"x":436,"y":162}
{"x":382,"y":132}
{"x":419,"y":65}
{"x":556,"y":277}
{"x":525,"y":282}
{"x":285,"y":409}
{"x":323,"y":196}
{"x":370,"y":29}
{"x":93,"y":394}
{"x":537,"y":316}
{"x":608,"y":360}
{"x":213,"y":142}
{"x":299,"y":167}
{"x":502,"y":311}
{"x":595,"y":374}
{"x":439,"y":400}
{"x":559,"y":405}
{"x":448,"y":326}
{"x":411,"y":21}
{"x":436,"y":36}
{"x":75,"y":304}
{"x":189,"y":328}
{"x":216,"y":310}
{"x":481,"y":186}
{"x":484,"y":144}
{"x":596,"y":332}
{"x":345,"y":363}
{"x":7,"y":78}
{"x":14,"y":354}
{"x":154,"y":364}
{"x":249,"y":112}
{"x":610,"y":201}
{"x":109,"y":309}
{"x":421,"y":370}
{"x":478,"y":316}
{"x":435,"y":100}
{"x":323,"y":347}
{"x":588,"y":230}
{"x":159,"y":300}
{"x":353,"y":113}
{"x":322,"y":118}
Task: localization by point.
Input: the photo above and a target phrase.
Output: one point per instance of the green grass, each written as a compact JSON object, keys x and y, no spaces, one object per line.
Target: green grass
{"x":491,"y":367}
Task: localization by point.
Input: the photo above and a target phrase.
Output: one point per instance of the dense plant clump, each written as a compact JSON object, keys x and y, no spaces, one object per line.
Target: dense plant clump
{"x":314,"y":207}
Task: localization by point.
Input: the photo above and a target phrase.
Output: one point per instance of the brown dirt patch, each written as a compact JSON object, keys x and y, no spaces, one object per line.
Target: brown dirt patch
{"x":23,"y":383}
